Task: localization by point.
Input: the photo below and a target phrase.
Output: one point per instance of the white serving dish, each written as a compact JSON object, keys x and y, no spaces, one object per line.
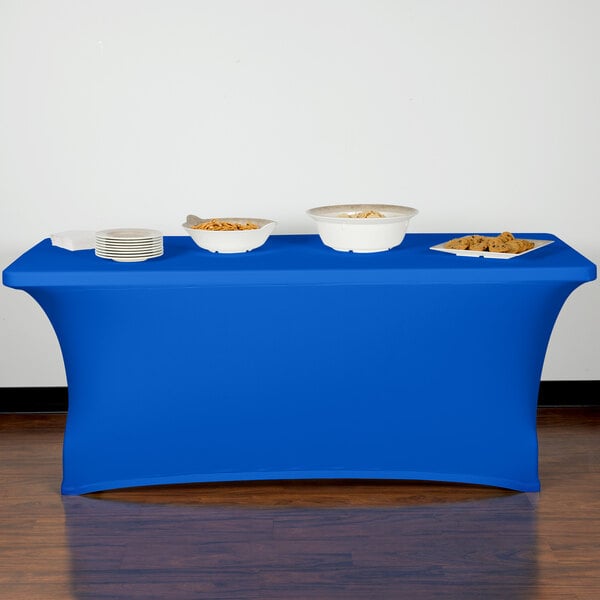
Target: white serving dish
{"x":230,"y":242}
{"x":350,"y":234}
{"x":486,"y":254}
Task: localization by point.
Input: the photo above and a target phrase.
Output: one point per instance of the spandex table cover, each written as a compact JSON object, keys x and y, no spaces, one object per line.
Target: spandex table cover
{"x":297,"y":361}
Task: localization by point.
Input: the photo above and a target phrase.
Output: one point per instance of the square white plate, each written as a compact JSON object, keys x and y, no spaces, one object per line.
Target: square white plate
{"x":475,"y":253}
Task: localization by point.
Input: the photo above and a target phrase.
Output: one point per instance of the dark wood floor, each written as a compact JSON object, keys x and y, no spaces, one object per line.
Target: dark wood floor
{"x":302,"y":540}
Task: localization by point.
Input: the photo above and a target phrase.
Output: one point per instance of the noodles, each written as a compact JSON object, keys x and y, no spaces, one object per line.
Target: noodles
{"x":220,"y":225}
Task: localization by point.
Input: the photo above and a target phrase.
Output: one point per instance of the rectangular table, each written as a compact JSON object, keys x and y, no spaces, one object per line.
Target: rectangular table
{"x":297,"y":361}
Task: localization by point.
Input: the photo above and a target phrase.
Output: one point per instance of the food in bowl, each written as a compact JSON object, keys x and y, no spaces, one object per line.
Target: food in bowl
{"x":365,"y":214}
{"x":219,"y":225}
{"x":362,"y":227}
{"x":505,"y":242}
{"x":228,"y":235}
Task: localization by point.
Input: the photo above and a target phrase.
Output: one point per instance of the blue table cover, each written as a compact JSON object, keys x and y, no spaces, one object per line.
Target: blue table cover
{"x":298,"y":361}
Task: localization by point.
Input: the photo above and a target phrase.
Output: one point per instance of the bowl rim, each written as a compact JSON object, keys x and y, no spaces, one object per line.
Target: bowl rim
{"x":322,"y":213}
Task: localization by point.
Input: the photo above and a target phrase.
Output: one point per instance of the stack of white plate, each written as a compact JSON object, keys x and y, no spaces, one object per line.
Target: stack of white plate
{"x":129,"y":245}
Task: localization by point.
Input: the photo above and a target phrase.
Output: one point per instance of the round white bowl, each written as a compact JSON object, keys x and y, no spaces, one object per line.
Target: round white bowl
{"x":351,"y":234}
{"x":230,"y":242}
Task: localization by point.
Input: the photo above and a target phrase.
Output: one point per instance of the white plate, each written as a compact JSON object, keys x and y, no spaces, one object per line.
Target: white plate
{"x":130,"y":244}
{"x":128,"y":254}
{"x":129,"y":234}
{"x":475,"y":253}
{"x":128,"y":258}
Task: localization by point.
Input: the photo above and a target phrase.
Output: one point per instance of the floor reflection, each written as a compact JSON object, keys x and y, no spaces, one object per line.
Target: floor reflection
{"x":484,"y":548}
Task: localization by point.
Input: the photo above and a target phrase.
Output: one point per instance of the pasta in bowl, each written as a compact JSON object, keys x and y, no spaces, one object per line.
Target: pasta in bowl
{"x":228,"y":235}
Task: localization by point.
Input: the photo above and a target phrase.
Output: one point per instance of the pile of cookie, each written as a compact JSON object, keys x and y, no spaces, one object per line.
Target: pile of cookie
{"x":505,"y":242}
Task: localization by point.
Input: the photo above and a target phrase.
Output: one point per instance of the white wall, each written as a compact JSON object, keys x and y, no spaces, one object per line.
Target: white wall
{"x":483,"y":114}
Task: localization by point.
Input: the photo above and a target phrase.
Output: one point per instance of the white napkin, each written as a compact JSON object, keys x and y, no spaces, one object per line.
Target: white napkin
{"x":74,"y":240}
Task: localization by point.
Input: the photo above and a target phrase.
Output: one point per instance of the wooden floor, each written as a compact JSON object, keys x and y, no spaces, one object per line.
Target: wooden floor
{"x":303,"y":540}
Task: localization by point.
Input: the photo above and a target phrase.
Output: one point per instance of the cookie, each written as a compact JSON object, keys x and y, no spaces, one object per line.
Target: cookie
{"x":461,"y":243}
{"x":517,"y":246}
{"x":498,"y":245}
{"x":506,"y":236}
{"x":481,"y":243}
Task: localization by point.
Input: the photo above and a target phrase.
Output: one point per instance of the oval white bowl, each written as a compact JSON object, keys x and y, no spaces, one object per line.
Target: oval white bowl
{"x":351,"y":234}
{"x":231,"y":242}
